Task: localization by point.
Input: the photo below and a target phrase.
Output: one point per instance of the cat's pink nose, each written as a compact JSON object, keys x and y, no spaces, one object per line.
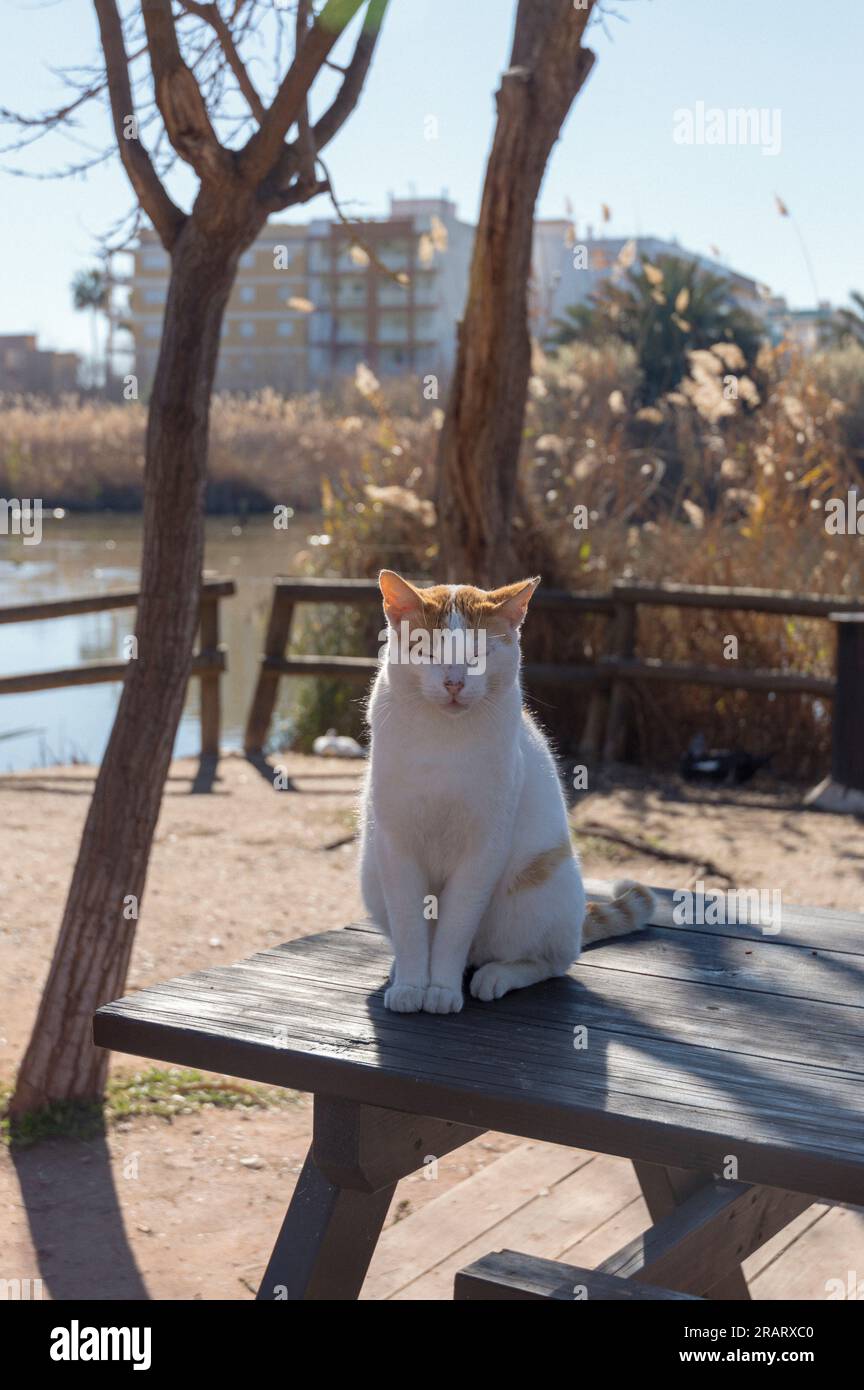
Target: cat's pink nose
{"x":454,"y":686}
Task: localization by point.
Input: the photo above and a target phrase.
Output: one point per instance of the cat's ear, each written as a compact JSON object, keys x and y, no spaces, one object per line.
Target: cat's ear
{"x":512,"y":601}
{"x":401,"y":599}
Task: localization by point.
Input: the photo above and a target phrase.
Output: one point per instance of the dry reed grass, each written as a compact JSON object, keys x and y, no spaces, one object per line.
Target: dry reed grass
{"x":264,"y":450}
{"x":723,"y":483}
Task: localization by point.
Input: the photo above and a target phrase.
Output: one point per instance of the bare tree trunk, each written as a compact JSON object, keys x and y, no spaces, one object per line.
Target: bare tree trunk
{"x":478,"y":450}
{"x":237,"y":189}
{"x":92,"y":952}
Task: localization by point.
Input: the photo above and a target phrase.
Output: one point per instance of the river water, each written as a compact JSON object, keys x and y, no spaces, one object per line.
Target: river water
{"x":97,"y":553}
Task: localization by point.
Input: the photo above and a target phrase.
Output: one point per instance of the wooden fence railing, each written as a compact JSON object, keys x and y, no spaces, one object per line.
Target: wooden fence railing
{"x":208,"y":666}
{"x":610,"y":676}
{"x":623,"y":667}
{"x":287,"y":593}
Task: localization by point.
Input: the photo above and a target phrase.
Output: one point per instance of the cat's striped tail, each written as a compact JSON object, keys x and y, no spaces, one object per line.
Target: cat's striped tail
{"x":629,"y":910}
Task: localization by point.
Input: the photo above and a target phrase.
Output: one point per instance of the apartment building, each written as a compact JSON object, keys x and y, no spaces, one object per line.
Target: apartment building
{"x":568,"y":268}
{"x":805,"y":329}
{"x":312,"y":301}
{"x":27,"y":368}
{"x":388,"y":293}
{"x":264,"y":331}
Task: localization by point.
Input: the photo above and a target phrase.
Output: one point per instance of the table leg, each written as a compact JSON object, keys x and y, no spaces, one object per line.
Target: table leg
{"x":664,"y":1189}
{"x":358,"y":1154}
{"x":327,"y":1239}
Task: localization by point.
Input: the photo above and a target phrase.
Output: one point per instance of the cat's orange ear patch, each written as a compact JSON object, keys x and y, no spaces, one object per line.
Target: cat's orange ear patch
{"x":512,"y":601}
{"x":401,"y":599}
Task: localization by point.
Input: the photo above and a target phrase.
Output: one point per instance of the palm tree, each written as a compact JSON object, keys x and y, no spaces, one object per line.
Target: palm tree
{"x":91,"y":290}
{"x":664,"y":311}
{"x":849,"y":323}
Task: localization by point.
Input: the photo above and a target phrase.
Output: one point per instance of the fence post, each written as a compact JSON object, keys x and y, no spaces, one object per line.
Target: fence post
{"x":264,"y":699}
{"x":211,"y":700}
{"x":591,"y":741}
{"x":847,"y":733}
{"x":844,"y":789}
{"x":622,"y":643}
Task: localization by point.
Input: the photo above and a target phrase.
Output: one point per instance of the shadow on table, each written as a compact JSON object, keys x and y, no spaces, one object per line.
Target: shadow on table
{"x":657,"y":1056}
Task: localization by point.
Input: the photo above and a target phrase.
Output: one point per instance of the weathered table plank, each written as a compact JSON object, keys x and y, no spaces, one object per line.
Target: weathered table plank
{"x":701,"y":1043}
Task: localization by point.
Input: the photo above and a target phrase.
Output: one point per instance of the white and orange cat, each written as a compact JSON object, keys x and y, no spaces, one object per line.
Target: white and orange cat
{"x":466,"y":857}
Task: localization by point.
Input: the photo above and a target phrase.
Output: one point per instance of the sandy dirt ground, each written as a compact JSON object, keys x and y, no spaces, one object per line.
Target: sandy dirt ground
{"x":189,"y":1208}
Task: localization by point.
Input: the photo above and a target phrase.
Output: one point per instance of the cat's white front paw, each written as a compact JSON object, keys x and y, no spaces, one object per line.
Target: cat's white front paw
{"x":440,"y":999}
{"x":404,"y":999}
{"x":491,"y":981}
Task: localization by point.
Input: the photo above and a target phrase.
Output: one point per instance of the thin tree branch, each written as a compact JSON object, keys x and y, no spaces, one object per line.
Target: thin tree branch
{"x":51,"y":121}
{"x":399,"y":277}
{"x":163,"y":212}
{"x":211,"y":15}
{"x":305,"y":142}
{"x":299,"y":192}
{"x":348,"y":95}
{"x":262,"y":150}
{"x":346,"y":99}
{"x":178,"y":96}
{"x":69,"y":171}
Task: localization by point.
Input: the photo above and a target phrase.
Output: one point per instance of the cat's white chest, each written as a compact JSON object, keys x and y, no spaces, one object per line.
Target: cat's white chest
{"x":444,"y":802}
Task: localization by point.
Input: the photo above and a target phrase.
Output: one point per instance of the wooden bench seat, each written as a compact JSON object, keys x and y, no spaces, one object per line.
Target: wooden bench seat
{"x":507,"y":1275}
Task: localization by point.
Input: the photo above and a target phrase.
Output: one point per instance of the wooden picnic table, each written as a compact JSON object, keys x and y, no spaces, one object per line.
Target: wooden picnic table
{"x":727,"y":1062}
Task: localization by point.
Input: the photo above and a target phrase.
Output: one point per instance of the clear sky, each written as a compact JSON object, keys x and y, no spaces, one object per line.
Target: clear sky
{"x":442,"y":58}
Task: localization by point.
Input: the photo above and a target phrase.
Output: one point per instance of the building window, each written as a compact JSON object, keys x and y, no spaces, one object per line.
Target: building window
{"x":155,"y":295}
{"x":152,"y":330}
{"x":247,"y":260}
{"x":154,"y":260}
{"x":247,"y":330}
{"x":393,"y":327}
{"x":247,"y":294}
{"x":285,"y":330}
{"x":394,"y":254}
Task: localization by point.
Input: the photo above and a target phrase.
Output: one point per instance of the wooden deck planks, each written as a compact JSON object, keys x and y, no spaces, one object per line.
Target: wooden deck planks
{"x":467,"y":1214}
{"x":599,"y":1205}
{"x":829,"y":1249}
{"x":569,"y":1210}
